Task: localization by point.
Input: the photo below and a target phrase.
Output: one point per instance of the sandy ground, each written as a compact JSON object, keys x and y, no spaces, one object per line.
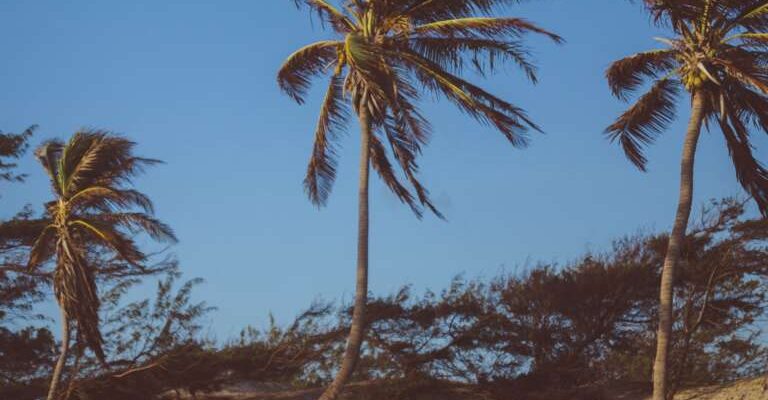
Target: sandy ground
{"x":754,"y":389}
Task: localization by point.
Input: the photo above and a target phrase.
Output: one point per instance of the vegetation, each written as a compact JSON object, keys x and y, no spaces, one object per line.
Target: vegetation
{"x":600,"y":327}
{"x":13,"y":146}
{"x":387,"y":53}
{"x":717,"y":55}
{"x":92,"y":208}
{"x":517,"y":334}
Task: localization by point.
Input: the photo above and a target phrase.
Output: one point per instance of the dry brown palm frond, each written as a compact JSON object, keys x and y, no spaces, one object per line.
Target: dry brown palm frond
{"x":296,"y":73}
{"x":627,"y":75}
{"x":750,"y":172}
{"x":645,"y":120}
{"x":321,"y":171}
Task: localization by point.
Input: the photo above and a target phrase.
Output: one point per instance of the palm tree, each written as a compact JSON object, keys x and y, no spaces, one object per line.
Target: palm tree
{"x":93,"y":208}
{"x":384,"y":52}
{"x":719,"y":55}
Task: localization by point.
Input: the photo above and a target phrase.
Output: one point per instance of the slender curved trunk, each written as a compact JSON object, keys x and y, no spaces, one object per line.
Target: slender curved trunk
{"x":57,"y":370}
{"x":664,"y":333}
{"x":357,"y":329}
{"x":72,"y":384}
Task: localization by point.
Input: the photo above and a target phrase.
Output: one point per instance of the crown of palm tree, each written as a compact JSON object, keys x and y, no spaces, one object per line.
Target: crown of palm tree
{"x":92,"y":208}
{"x":386,"y":49}
{"x":720,"y":50}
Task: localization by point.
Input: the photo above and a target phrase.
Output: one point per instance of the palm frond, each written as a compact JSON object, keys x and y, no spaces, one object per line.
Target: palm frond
{"x":628,"y":74}
{"x":493,"y":28}
{"x":749,"y":39}
{"x":475,"y":102}
{"x":44,"y":247}
{"x":752,"y":10}
{"x":750,"y":75}
{"x":752,"y":175}
{"x":406,"y":131}
{"x":80,"y":158}
{"x":404,"y":148}
{"x":137,"y":223}
{"x":645,"y":120}
{"x":110,"y":161}
{"x":483,"y":54}
{"x":380,"y":163}
{"x":435,"y":10}
{"x":48,"y":154}
{"x":328,"y":13}
{"x":749,"y":105}
{"x":74,"y":285}
{"x":111,"y":238}
{"x":107,"y":199}
{"x":299,"y":68}
{"x":675,"y":12}
{"x":321,"y":171}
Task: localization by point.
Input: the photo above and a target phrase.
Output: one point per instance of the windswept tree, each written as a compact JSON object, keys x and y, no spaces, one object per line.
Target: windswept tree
{"x":719,"y":55}
{"x":384,"y":55}
{"x":93,"y":207}
{"x":12,"y":146}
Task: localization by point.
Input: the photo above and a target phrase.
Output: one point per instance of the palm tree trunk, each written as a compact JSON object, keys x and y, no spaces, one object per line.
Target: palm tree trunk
{"x":357,"y":329}
{"x":62,"y":357}
{"x":75,"y":370}
{"x":664,"y":333}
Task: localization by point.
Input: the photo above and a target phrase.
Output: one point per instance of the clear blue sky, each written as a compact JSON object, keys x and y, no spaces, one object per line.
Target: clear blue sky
{"x":193,"y":82}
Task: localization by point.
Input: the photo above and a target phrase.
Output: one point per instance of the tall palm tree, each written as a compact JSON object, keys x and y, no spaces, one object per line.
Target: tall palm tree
{"x":384,"y":52}
{"x":93,"y":208}
{"x":719,"y":55}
